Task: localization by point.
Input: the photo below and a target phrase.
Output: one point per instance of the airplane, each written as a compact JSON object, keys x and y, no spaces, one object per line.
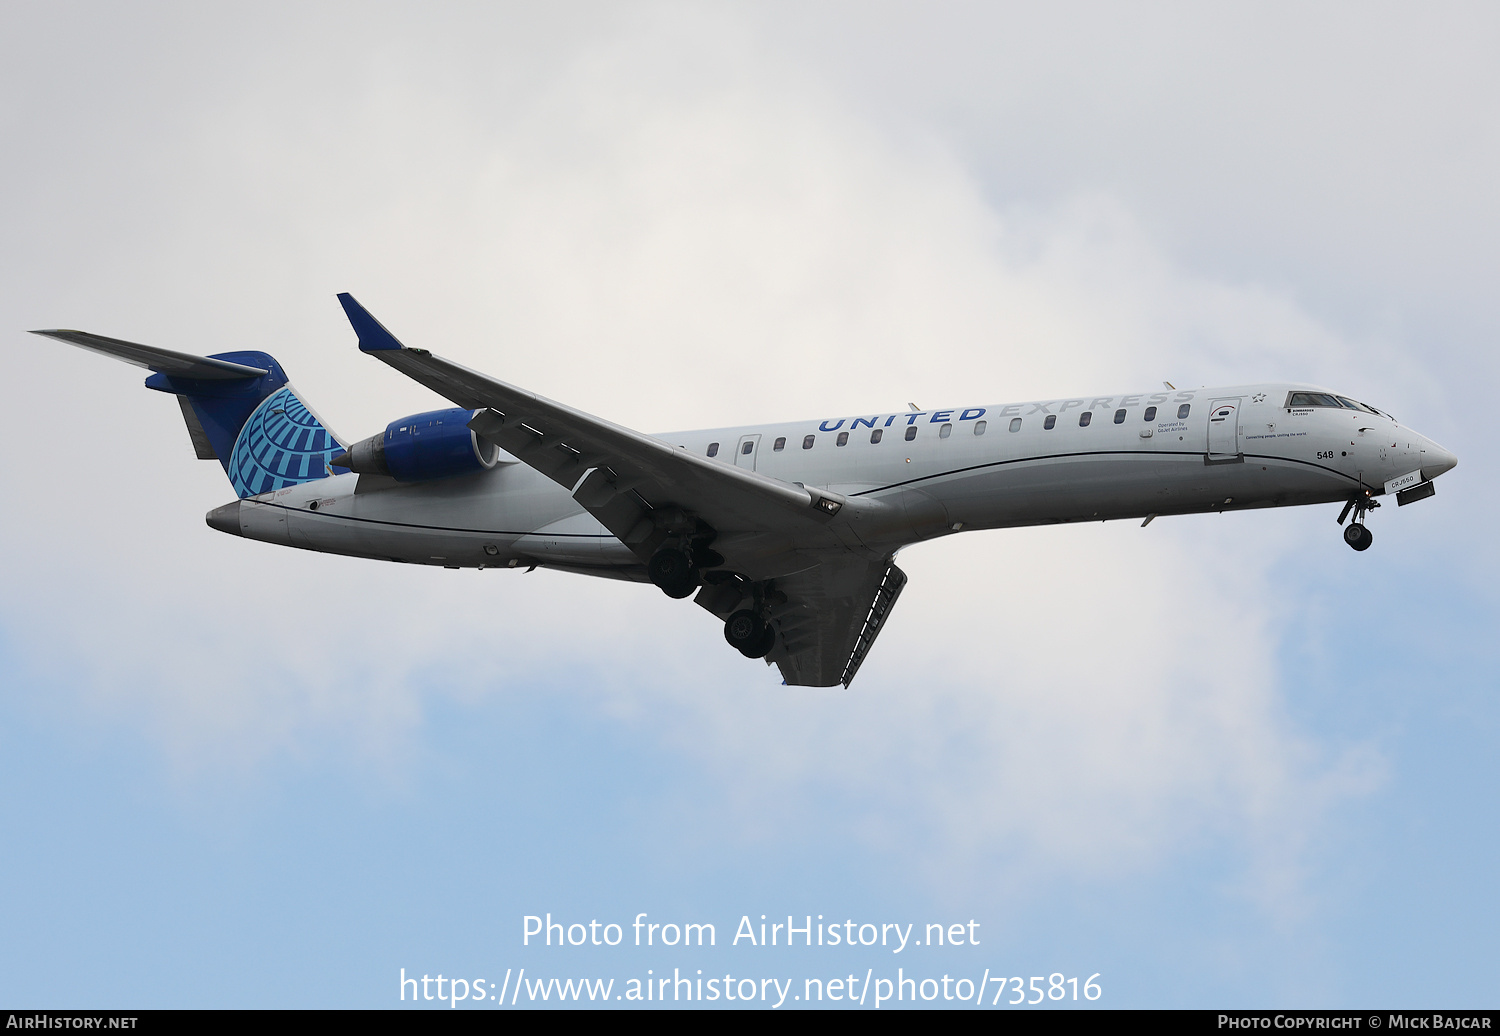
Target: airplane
{"x":788,"y":533}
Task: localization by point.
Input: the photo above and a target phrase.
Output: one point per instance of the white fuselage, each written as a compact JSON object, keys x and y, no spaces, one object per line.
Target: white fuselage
{"x":979,"y":467}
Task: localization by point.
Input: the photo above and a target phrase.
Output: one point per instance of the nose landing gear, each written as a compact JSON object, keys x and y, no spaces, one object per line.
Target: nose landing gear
{"x":1356,"y":535}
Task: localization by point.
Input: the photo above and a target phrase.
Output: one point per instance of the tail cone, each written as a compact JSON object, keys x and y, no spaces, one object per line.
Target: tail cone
{"x":225,"y":519}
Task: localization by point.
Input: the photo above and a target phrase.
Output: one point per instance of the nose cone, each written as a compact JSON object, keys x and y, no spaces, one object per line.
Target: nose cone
{"x":225,"y":519}
{"x":1436,"y":460}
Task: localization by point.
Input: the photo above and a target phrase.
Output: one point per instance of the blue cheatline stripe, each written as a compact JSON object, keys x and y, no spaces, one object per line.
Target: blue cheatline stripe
{"x":282,"y":444}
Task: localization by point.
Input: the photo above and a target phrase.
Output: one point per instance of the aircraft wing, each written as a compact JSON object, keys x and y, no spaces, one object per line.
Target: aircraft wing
{"x":643,"y":489}
{"x":630,"y":476}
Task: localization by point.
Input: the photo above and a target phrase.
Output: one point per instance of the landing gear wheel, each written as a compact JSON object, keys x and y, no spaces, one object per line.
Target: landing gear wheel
{"x":748,"y":635}
{"x":767,"y":642}
{"x":1355,"y":533}
{"x":673,"y":571}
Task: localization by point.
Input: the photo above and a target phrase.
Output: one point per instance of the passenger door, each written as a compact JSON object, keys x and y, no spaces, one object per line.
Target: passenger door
{"x":1224,"y":429}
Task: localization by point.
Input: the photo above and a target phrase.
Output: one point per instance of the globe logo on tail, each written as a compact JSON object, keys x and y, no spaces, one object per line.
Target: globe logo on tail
{"x":282,"y":444}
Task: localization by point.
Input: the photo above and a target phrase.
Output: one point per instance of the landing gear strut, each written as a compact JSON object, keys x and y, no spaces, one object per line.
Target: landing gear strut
{"x":1356,"y":535}
{"x":749,"y":634}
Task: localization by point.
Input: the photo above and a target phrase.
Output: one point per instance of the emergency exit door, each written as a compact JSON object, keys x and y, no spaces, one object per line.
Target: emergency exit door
{"x":746,"y":450}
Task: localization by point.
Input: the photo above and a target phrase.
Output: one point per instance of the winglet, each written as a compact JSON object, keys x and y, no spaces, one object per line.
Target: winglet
{"x":373,"y":337}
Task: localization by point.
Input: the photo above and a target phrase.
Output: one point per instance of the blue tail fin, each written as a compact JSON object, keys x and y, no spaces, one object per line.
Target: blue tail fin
{"x":239,"y":411}
{"x":260,"y":429}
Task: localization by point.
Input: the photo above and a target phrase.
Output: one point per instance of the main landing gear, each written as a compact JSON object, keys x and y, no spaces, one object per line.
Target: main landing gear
{"x":673,"y":570}
{"x":1356,"y":535}
{"x":749,"y":630}
{"x":749,"y":634}
{"x":678,"y":567}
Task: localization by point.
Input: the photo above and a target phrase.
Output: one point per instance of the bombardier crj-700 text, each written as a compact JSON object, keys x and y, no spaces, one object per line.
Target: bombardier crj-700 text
{"x":786,"y":532}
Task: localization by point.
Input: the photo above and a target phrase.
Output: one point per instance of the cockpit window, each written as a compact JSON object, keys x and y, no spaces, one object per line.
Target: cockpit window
{"x":1305,"y":399}
{"x":1353,"y":404}
{"x":1328,"y":399}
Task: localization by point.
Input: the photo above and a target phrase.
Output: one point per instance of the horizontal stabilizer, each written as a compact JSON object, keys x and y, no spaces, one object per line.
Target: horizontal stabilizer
{"x":162,"y":361}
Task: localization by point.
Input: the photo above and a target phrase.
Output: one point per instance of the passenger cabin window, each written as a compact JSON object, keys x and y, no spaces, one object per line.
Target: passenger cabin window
{"x":713,"y":449}
{"x":1084,"y":418}
{"x":1151,"y":413}
{"x":1183,"y":411}
{"x":945,"y":431}
{"x":780,"y":443}
{"x":876,"y":434}
{"x":843,"y":439}
{"x":911,"y":433}
{"x":1050,"y":423}
{"x":807,"y":442}
{"x":979,"y":427}
{"x":1015,"y":424}
{"x":749,"y":445}
{"x":1119,"y":417}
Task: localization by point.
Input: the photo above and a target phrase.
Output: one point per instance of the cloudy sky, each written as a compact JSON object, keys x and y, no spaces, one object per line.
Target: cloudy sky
{"x":1222,"y":761}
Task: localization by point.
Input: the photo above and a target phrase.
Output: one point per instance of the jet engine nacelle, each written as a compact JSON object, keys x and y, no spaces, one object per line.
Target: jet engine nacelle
{"x":422,"y":447}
